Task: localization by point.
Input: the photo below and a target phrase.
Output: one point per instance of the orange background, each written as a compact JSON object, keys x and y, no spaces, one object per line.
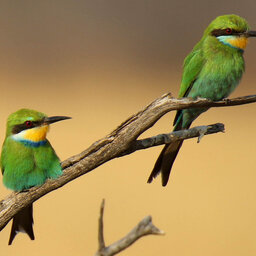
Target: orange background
{"x":100,"y":62}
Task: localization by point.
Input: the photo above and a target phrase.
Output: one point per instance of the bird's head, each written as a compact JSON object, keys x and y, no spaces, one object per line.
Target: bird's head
{"x":30,"y":126}
{"x":229,"y":30}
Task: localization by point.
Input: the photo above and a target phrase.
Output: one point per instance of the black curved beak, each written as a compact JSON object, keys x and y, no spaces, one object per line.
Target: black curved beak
{"x":54,"y":119}
{"x":250,"y":33}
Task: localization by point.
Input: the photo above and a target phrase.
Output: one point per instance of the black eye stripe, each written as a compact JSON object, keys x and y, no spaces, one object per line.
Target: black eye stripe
{"x":223,"y":32}
{"x":21,"y":127}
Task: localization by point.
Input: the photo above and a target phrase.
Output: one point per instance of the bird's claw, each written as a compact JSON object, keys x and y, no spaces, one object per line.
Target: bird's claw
{"x":24,"y":191}
{"x":227,"y":100}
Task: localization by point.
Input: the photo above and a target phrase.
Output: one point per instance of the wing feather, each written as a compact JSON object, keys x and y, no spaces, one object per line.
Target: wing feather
{"x":192,"y":67}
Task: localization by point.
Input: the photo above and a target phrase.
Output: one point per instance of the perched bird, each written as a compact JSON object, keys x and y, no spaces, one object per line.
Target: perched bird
{"x":28,"y":159}
{"x":211,"y":70}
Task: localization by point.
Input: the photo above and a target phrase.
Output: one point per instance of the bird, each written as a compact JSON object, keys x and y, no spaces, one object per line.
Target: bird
{"x":28,"y":160}
{"x":212,"y":70}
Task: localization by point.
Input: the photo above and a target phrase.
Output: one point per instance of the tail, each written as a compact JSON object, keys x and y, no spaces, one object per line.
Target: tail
{"x":23,"y":222}
{"x":165,"y":161}
{"x":168,"y":155}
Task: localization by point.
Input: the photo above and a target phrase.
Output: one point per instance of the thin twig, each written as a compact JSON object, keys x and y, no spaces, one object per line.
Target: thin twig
{"x":101,"y":227}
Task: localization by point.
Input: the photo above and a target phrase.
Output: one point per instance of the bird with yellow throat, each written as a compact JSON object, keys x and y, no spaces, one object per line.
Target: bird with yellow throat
{"x":212,"y":70}
{"x":28,"y":160}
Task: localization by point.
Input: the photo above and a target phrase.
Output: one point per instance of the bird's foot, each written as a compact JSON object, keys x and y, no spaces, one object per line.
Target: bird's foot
{"x":24,"y":191}
{"x":227,"y":100}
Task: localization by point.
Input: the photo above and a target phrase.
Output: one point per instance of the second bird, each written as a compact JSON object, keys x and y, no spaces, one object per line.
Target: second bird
{"x":212,"y":70}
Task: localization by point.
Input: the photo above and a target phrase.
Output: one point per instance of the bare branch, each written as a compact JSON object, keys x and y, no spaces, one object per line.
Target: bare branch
{"x":144,"y":227}
{"x":110,"y":147}
{"x":161,"y":139}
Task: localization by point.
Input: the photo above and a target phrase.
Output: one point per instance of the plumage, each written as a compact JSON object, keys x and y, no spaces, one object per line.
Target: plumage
{"x":28,"y":160}
{"x":211,"y":70}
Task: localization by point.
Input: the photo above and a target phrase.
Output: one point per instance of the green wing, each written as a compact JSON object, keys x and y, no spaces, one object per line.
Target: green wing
{"x":192,"y":66}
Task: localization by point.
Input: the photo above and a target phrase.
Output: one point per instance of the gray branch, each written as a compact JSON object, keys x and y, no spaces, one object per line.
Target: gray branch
{"x":108,"y":148}
{"x":166,"y":138}
{"x":143,"y":228}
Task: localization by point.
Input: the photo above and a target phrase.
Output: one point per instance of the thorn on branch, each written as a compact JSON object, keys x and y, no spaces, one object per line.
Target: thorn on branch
{"x":202,"y":132}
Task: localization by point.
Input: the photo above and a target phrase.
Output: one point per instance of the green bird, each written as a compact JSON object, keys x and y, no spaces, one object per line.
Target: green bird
{"x":211,"y":70}
{"x":28,"y":160}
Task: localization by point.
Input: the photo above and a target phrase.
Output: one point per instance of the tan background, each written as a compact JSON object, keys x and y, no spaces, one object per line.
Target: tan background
{"x":99,"y":62}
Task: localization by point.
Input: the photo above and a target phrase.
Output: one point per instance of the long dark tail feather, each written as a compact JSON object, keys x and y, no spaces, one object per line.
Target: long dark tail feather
{"x":167,"y":156}
{"x":165,"y":161}
{"x":23,"y":222}
{"x":157,"y":168}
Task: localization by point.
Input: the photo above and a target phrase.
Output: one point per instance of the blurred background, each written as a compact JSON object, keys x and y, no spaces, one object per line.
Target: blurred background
{"x":100,"y":62}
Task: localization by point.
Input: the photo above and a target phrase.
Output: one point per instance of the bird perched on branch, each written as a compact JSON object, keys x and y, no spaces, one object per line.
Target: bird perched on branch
{"x":28,"y":160}
{"x":211,"y":70}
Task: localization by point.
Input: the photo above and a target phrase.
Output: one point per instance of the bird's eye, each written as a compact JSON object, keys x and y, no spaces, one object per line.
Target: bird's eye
{"x":28,"y":124}
{"x":228,"y":31}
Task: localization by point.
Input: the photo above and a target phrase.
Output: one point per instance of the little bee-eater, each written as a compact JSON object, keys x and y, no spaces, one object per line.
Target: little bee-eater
{"x":212,"y":70}
{"x":28,"y":160}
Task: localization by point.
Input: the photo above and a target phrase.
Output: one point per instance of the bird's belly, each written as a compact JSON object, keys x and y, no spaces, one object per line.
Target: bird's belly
{"x":213,"y":89}
{"x":216,"y":82}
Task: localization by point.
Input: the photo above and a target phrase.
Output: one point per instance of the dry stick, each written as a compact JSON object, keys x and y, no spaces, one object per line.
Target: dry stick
{"x":110,"y":147}
{"x":101,"y":226}
{"x":143,"y":228}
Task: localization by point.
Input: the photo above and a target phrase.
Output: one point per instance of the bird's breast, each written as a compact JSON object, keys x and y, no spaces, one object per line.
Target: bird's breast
{"x":219,"y":77}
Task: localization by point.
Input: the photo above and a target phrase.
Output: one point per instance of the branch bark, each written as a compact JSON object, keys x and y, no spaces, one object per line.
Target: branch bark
{"x":110,"y":147}
{"x":143,"y":228}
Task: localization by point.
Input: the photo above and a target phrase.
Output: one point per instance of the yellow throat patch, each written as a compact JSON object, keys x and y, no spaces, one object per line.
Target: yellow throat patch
{"x":36,"y":134}
{"x":238,"y":42}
